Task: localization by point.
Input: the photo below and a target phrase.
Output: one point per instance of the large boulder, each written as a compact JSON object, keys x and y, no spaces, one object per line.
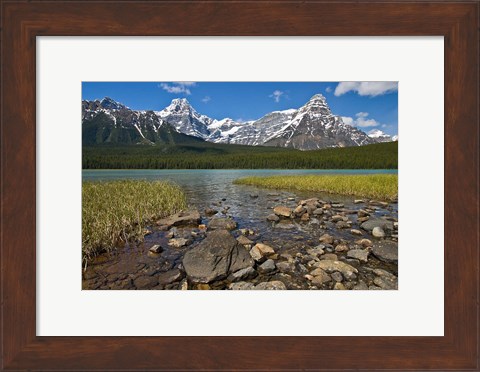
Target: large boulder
{"x":217,"y":256}
{"x":386,"y":250}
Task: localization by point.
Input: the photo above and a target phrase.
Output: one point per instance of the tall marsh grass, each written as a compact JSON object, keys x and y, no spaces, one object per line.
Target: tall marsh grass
{"x":377,"y":186}
{"x":117,"y":211}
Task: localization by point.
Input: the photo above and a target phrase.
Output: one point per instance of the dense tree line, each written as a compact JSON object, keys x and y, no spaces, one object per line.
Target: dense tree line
{"x":378,"y":156}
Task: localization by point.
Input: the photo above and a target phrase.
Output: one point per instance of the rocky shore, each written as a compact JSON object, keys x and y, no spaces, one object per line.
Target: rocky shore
{"x":310,"y":244}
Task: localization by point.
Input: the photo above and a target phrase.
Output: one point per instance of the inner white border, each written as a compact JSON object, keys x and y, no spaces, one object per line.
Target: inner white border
{"x":63,"y":309}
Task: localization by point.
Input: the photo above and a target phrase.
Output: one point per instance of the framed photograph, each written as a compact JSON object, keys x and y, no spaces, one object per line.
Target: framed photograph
{"x":165,"y":166}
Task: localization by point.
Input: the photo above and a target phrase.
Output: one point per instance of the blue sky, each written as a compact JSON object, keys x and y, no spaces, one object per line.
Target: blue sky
{"x":367,"y":105}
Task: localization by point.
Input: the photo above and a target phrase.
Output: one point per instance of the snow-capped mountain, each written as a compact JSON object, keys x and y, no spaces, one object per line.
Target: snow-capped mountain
{"x":380,"y":136}
{"x":312,"y":126}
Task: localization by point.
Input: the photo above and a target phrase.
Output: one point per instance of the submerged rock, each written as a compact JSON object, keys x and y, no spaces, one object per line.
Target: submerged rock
{"x":222,"y":223}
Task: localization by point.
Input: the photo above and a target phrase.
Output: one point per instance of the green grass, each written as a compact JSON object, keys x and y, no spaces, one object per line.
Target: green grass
{"x":118,"y":211}
{"x":377,"y":186}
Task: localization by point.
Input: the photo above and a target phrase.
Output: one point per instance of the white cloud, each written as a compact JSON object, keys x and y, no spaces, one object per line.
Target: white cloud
{"x":206,"y":99}
{"x":276,"y":95}
{"x":366,"y":88}
{"x":361,"y":120}
{"x":328,"y":89}
{"x":178,"y":88}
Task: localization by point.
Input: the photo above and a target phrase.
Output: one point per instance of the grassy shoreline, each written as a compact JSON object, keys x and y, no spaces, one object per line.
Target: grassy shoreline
{"x":377,"y":186}
{"x":116,"y":211}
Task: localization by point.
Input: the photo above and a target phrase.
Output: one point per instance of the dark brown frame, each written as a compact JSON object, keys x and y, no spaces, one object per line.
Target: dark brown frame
{"x":22,"y":21}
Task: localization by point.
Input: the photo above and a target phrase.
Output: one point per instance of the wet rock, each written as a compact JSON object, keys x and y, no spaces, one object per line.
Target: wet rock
{"x":241,"y":286}
{"x":215,"y":257}
{"x":267,"y":267}
{"x":377,"y":222}
{"x":260,"y":251}
{"x":222,"y":223}
{"x":157,"y":248}
{"x":364,"y":242}
{"x":210,"y":211}
{"x":341,"y":248}
{"x":331,"y":266}
{"x":179,"y":242}
{"x":361,"y":286}
{"x":273,"y":217}
{"x":188,"y":218}
{"x":359,"y":254}
{"x":329,"y":256}
{"x":338,"y":217}
{"x":386,"y":251}
{"x":300,"y":210}
{"x":145,"y":282}
{"x":243,"y":240}
{"x":356,"y":232}
{"x":286,"y":267}
{"x":305,"y":217}
{"x":243,"y":274}
{"x":336,"y":276}
{"x":282,"y":211}
{"x":343,"y":225}
{"x":326,"y":238}
{"x":169,"y":277}
{"x":362,"y":213}
{"x":362,"y":219}
{"x":320,"y":277}
{"x":378,"y":232}
{"x":273,"y":285}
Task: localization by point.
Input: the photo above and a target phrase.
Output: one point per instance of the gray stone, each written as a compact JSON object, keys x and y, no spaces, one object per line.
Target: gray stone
{"x":329,"y":256}
{"x":378,"y":232}
{"x":169,"y":277}
{"x":188,"y":218}
{"x":215,"y":257}
{"x":339,"y":287}
{"x":273,"y":217}
{"x":243,"y":240}
{"x":359,"y":254}
{"x":222,"y":223}
{"x":243,"y":274}
{"x":285,"y":267}
{"x":267,"y":266}
{"x":337,"y":276}
{"x":377,"y":222}
{"x":318,"y":212}
{"x":273,"y":285}
{"x":320,"y":277}
{"x":241,"y":286}
{"x":145,"y":282}
{"x":385,"y":283}
{"x":361,"y":286}
{"x":386,"y":251}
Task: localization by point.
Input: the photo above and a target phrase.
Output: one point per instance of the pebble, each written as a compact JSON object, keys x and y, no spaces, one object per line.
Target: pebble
{"x":378,"y":232}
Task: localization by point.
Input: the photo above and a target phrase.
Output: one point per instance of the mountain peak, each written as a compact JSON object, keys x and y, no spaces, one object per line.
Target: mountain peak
{"x":180,"y":101}
{"x":109,"y":103}
{"x":318,"y":97}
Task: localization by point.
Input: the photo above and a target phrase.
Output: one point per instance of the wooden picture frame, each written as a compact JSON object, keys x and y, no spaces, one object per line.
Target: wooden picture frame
{"x":23,"y":21}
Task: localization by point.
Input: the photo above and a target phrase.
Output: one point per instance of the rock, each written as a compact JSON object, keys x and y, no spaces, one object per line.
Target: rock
{"x":331,"y":266}
{"x":286,"y":267}
{"x":320,"y":277}
{"x":385,"y":282}
{"x":299,"y":210}
{"x":337,"y":276}
{"x":203,"y":287}
{"x":386,"y":251}
{"x":378,"y":232}
{"x":210,"y":211}
{"x":318,"y":212}
{"x":267,"y":266}
{"x":157,"y":248}
{"x":362,"y":213}
{"x":273,"y":217}
{"x":273,"y":285}
{"x":254,"y":196}
{"x":327,"y":206}
{"x":385,"y":273}
{"x":315,"y":252}
{"x":362,"y":219}
{"x":222,"y":223}
{"x":189,"y":218}
{"x":356,"y":232}
{"x":326,"y":238}
{"x":218,"y":255}
{"x":285,"y":225}
{"x":179,"y":242}
{"x":145,"y":282}
{"x":184,"y":285}
{"x":361,"y":286}
{"x":343,"y":225}
{"x":243,"y":274}
{"x":364,"y":242}
{"x":305,"y":217}
{"x":282,"y":211}
{"x":359,"y":254}
{"x":358,"y":201}
{"x":337,"y":205}
{"x":329,"y":256}
{"x":395,"y":225}
{"x":341,"y":248}
{"x":241,"y":286}
{"x":339,"y":287}
{"x":377,"y":222}
{"x":260,"y":251}
{"x":338,"y":217}
{"x":243,"y":240}
{"x":169,"y":277}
